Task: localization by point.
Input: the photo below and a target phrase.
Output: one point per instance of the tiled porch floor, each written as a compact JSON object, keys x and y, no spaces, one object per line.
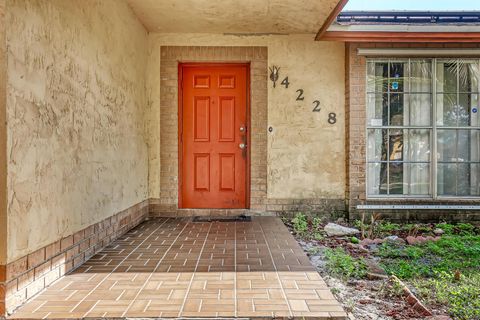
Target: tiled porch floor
{"x":179,"y":268}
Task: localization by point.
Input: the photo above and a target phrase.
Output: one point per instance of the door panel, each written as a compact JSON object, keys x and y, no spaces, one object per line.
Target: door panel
{"x":213,"y":130}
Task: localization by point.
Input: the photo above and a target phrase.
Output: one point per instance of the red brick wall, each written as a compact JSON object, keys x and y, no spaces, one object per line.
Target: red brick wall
{"x":27,"y":276}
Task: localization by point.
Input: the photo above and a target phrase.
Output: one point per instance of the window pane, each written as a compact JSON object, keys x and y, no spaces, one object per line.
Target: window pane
{"x":420,"y":106}
{"x":458,"y":179}
{"x":374,"y":178}
{"x":377,"y":76}
{"x":466,"y":103}
{"x":447,"y":110}
{"x":377,"y":112}
{"x":468,"y":74}
{"x":395,"y":144}
{"x":447,"y":179}
{"x":447,"y":76}
{"x":474,"y":145}
{"x":396,"y":178}
{"x":377,"y":145}
{"x":418,"y":147}
{"x":447,"y":145}
{"x":418,"y":174}
{"x":475,"y":179}
{"x":396,"y":109}
{"x":475,"y":111}
{"x":458,"y":145}
{"x":397,"y":76}
{"x":420,"y":76}
{"x":463,"y":179}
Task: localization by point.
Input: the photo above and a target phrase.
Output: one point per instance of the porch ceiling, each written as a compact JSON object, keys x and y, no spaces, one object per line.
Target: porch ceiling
{"x":232,"y":16}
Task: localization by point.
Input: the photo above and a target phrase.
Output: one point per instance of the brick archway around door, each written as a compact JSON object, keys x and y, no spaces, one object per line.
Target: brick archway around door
{"x":170,"y":57}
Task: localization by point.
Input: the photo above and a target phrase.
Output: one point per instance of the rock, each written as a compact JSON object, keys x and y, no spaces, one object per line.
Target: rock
{"x":391,"y":238}
{"x":340,"y":220}
{"x":376,"y":276}
{"x":373,"y":267}
{"x":353,"y":245}
{"x":394,"y":239}
{"x":366,"y":242}
{"x":333,"y":229}
{"x":418,"y":240}
{"x":438,"y":231}
{"x":412,"y":240}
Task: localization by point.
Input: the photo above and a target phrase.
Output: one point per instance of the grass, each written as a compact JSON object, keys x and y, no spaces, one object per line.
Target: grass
{"x":445,"y":272}
{"x":452,"y":252}
{"x":343,"y":265}
{"x":461,"y":295}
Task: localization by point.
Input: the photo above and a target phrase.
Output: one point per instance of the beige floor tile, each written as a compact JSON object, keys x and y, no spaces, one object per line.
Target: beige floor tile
{"x":189,"y":269}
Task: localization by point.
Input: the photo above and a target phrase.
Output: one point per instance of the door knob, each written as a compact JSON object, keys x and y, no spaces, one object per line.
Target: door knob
{"x":242,"y":145}
{"x":242,"y":129}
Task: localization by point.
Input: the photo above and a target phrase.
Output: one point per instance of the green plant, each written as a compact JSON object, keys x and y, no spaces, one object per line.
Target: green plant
{"x":318,"y":236}
{"x":341,"y":264}
{"x":316,"y":222}
{"x":354,"y":240}
{"x":387,"y":226}
{"x":300,"y":223}
{"x":369,"y":230}
{"x":451,"y":252}
{"x":460,"y":296}
{"x":463,"y":229}
{"x":446,"y":227}
{"x":313,"y":250}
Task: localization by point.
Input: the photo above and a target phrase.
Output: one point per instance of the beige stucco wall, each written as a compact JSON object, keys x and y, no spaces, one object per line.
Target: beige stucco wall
{"x":3,"y":139}
{"x":76,"y":95}
{"x":305,"y":153}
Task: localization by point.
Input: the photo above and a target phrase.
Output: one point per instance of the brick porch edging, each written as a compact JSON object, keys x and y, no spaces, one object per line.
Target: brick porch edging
{"x":273,"y":207}
{"x":22,"y":279}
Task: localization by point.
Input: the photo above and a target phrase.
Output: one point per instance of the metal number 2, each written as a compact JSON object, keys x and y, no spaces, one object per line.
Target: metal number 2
{"x":317,"y":108}
{"x":300,"y":96}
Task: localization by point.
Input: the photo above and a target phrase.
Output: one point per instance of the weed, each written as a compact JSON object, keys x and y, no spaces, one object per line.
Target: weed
{"x":318,"y":236}
{"x":300,"y":223}
{"x":449,"y":253}
{"x":460,"y":296}
{"x":343,"y":265}
{"x":335,"y":290}
{"x":388,"y":227}
{"x":316,"y":223}
{"x":313,"y":250}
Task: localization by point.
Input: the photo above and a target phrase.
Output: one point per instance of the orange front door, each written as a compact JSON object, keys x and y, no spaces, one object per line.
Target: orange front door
{"x":213,"y":136}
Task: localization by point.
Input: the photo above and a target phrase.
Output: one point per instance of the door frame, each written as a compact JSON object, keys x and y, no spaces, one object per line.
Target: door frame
{"x":182,"y":65}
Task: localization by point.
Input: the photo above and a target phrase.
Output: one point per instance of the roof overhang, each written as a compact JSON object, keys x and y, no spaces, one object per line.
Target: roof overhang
{"x":403,"y":26}
{"x":246,"y":17}
{"x":385,"y":36}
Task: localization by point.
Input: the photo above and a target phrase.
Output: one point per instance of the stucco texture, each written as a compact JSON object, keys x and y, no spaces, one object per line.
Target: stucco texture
{"x":305,"y":153}
{"x":3,"y":139}
{"x":76,"y":95}
{"x":233,"y":16}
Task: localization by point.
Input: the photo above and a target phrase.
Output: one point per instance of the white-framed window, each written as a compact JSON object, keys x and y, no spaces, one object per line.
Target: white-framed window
{"x":423,"y":128}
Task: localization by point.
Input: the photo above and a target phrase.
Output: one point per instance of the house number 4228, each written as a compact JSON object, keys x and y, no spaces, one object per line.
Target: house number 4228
{"x":332,"y":117}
